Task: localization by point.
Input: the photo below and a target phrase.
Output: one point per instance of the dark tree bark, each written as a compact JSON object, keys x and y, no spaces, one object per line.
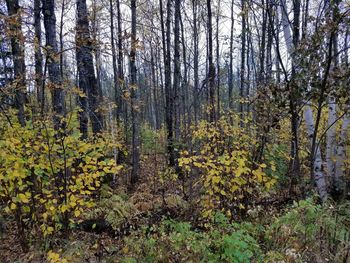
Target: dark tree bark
{"x":134,"y":99}
{"x":195,"y":61}
{"x":185,"y":94}
{"x":121,"y":80}
{"x":63,"y":8}
{"x":218,"y":61}
{"x":38,"y":55}
{"x":242,"y":71}
{"x":167,"y":82}
{"x":211,"y":73}
{"x":230,"y":74}
{"x":294,"y":101}
{"x":52,"y":64}
{"x":262,"y":48}
{"x":243,"y":53}
{"x":95,"y":33}
{"x":87,"y":79}
{"x":17,"y":46}
{"x":177,"y":72}
{"x":156,"y":101}
{"x":117,"y":92}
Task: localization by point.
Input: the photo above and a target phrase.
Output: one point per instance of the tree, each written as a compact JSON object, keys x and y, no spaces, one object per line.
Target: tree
{"x":134,"y":99}
{"x":17,"y":46}
{"x":52,"y":64}
{"x":38,"y":56}
{"x":211,"y":73}
{"x":90,"y":100}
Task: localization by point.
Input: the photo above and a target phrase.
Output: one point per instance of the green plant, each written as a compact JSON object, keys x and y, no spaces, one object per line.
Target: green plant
{"x":180,"y":242}
{"x":311,"y":229}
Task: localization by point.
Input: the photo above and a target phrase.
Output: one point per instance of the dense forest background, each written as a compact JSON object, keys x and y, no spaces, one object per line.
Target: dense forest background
{"x":174,"y":131}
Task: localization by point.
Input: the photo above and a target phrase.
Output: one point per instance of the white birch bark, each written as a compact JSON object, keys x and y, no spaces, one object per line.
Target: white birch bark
{"x":331,"y":135}
{"x":341,"y":153}
{"x":317,"y":167}
{"x":286,"y":27}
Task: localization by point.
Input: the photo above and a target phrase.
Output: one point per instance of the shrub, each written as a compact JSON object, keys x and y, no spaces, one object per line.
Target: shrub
{"x":47,"y":178}
{"x":224,"y":161}
{"x":310,"y":230}
{"x":176,"y":241}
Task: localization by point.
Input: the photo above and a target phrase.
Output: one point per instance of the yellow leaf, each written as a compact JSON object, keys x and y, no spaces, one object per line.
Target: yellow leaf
{"x":49,"y":230}
{"x":76,"y":213}
{"x":216,"y":179}
{"x":13,"y":206}
{"x":23,"y":198}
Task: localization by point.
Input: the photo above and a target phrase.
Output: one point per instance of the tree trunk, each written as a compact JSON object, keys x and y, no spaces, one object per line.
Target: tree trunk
{"x":211,"y":73}
{"x":230,"y":74}
{"x":87,"y":79}
{"x":195,"y":62}
{"x":319,"y":177}
{"x":338,"y":180}
{"x":52,"y":64}
{"x":169,"y":106}
{"x":134,"y":100}
{"x":177,"y":69}
{"x":17,"y":46}
{"x":37,"y":53}
{"x":114,"y":61}
{"x":242,"y":71}
{"x":218,"y":61}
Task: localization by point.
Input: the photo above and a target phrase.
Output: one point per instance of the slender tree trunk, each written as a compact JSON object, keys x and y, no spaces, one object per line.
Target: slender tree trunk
{"x":114,"y":61}
{"x":155,"y":101}
{"x":211,"y":73}
{"x":17,"y":46}
{"x":218,"y":61}
{"x":177,"y":69}
{"x":291,"y":43}
{"x":195,"y":61}
{"x":184,"y":86}
{"x":243,"y":51}
{"x":121,"y":80}
{"x":37,"y":53}
{"x":262,"y":49}
{"x":230,"y":76}
{"x":61,"y":38}
{"x":52,"y":64}
{"x":168,"y":90}
{"x":134,"y":99}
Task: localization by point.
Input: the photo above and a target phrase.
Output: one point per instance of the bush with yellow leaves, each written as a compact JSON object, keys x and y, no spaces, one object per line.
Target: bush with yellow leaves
{"x":225,"y":165}
{"x":48,"y":178}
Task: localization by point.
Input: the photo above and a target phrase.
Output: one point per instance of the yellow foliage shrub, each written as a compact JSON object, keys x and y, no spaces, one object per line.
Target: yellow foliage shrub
{"x":48,"y":179}
{"x":223,"y":160}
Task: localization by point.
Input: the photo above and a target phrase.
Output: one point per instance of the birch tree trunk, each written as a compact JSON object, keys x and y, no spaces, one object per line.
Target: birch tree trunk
{"x":319,"y":177}
{"x":331,"y":135}
{"x":338,"y":182}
